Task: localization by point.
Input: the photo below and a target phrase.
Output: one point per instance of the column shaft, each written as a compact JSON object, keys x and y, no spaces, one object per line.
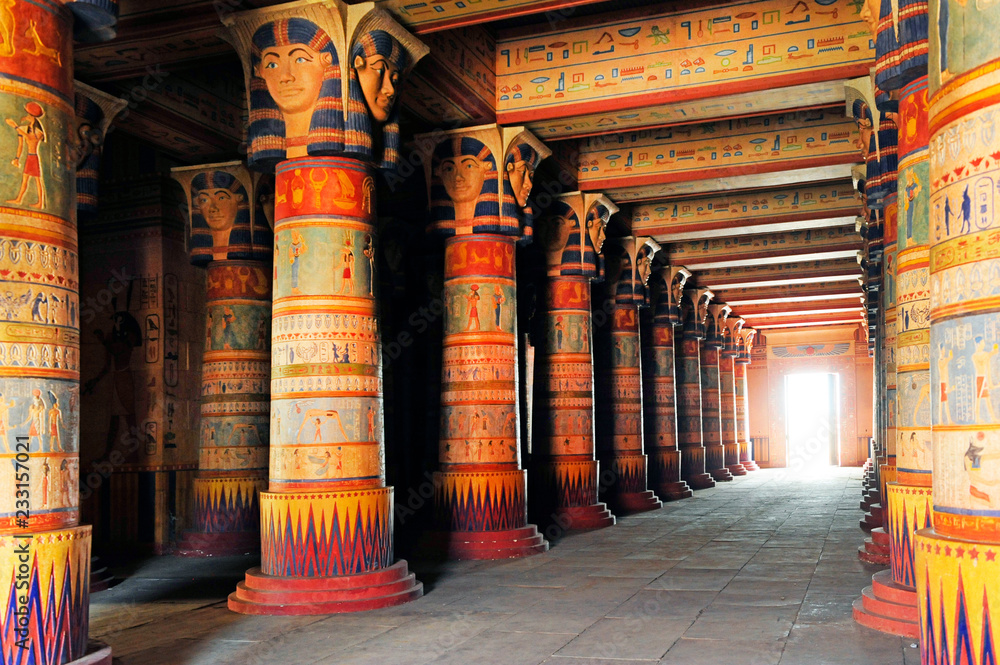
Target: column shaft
{"x":727,"y":405}
{"x":711,"y":421}
{"x":689,"y":414}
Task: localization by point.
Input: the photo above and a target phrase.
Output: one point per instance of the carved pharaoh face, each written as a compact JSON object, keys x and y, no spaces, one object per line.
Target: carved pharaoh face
{"x":520,"y":175}
{"x":87,"y":141}
{"x":294,"y":75}
{"x":596,"y":228}
{"x":379,"y":80}
{"x":462,"y":177}
{"x":645,"y":267}
{"x":870,"y":14}
{"x":218,"y":207}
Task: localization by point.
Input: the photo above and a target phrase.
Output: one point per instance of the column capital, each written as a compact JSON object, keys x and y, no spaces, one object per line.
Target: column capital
{"x":666,"y":286}
{"x":716,"y":324}
{"x":747,"y":338}
{"x":572,"y":233}
{"x":468,"y":191}
{"x":223,"y":222}
{"x":734,"y":324}
{"x":324,"y":112}
{"x":95,"y":111}
{"x":629,"y":263}
{"x":95,"y":20}
{"x":694,"y":311}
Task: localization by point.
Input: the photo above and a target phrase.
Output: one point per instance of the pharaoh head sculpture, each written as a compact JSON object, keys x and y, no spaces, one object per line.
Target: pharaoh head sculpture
{"x":95,"y":111}
{"x":222,"y":221}
{"x":464,"y":185}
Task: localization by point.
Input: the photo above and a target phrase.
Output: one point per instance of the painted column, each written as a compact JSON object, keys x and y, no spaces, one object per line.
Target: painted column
{"x":572,"y":235}
{"x":324,"y":127}
{"x":44,"y":550}
{"x":711,"y":406}
{"x":744,"y":344}
{"x":694,"y":311}
{"x":480,"y":490}
{"x":727,"y":398}
{"x":95,"y":111}
{"x":660,"y":398}
{"x":620,"y":430}
{"x":235,"y":246}
{"x":956,"y":562}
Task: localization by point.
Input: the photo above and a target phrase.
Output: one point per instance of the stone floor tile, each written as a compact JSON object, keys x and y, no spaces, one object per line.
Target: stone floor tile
{"x":687,"y":651}
{"x":639,"y":637}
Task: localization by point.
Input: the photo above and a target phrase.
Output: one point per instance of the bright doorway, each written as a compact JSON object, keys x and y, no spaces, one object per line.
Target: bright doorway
{"x":811,"y":418}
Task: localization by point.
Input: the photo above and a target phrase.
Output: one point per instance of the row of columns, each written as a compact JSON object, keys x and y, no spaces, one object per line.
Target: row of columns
{"x":938,"y":97}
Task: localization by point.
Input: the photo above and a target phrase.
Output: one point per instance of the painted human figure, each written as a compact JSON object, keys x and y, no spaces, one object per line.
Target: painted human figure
{"x":472,"y":298}
{"x":981,"y":359}
{"x":944,"y":359}
{"x":30,"y":134}
{"x":912,"y":189}
{"x":966,"y":212}
{"x":980,"y":479}
{"x":228,"y":329}
{"x":46,"y":470}
{"x":369,"y":252}
{"x":371,"y":423}
{"x":295,"y":251}
{"x":498,"y":300}
{"x":55,"y":421}
{"x":347,"y":265}
{"x":560,"y":327}
{"x":36,"y":419}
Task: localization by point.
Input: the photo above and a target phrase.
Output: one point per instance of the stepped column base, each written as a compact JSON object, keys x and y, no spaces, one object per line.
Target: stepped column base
{"x":596,"y":516}
{"x":574,"y":484}
{"x":701,"y":481}
{"x":226,"y":517}
{"x":484,"y":545}
{"x":674,"y":491}
{"x":875,"y":551}
{"x":285,"y":596}
{"x":629,"y":493}
{"x":737,"y":469}
{"x":721,"y":474}
{"x":888,"y":607}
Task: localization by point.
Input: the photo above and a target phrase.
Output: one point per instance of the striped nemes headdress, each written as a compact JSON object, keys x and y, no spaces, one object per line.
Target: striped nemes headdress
{"x":361,"y":136}
{"x":240,"y":244}
{"x":266,"y":136}
{"x":87,"y":171}
{"x":509,"y":208}
{"x":486,"y":218}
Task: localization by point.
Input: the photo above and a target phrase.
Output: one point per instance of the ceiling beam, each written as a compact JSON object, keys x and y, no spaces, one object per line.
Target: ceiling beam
{"x":774,"y":248}
{"x":805,"y":273}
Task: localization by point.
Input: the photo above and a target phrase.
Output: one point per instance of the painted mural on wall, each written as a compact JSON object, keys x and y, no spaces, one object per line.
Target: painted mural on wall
{"x":681,"y":53}
{"x":765,"y":143}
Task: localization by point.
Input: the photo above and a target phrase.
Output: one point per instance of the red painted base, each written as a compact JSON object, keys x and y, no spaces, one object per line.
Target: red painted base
{"x":702,"y":481}
{"x":283,"y":596}
{"x":888,"y":607}
{"x":722,"y":474}
{"x":674,"y":491}
{"x":876,"y":549}
{"x":199,"y":544}
{"x":737,"y":469}
{"x":750,"y":466}
{"x":480,"y":545}
{"x":97,"y":654}
{"x":636,"y":502}
{"x":596,"y":516}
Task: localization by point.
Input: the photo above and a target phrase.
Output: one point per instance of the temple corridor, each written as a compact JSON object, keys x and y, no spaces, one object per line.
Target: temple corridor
{"x":755,"y":572}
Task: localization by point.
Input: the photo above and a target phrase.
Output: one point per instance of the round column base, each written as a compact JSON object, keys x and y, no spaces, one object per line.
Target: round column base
{"x":721,"y":475}
{"x":580,"y":518}
{"x":97,"y":654}
{"x":873,"y":519}
{"x":875,"y":551}
{"x":285,"y":596}
{"x":200,"y":544}
{"x":701,"y":481}
{"x":100,"y":578}
{"x":750,"y":465}
{"x":484,"y":545}
{"x":636,"y":502}
{"x":737,"y":469}
{"x":674,"y":491}
{"x":958,"y":598}
{"x":888,"y":607}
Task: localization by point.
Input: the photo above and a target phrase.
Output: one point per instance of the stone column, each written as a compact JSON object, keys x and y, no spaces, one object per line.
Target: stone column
{"x":694,"y":310}
{"x":711,"y":407}
{"x":95,"y":111}
{"x":479,"y":209}
{"x":727,"y":396}
{"x":660,"y":398}
{"x":572,"y":235}
{"x":235,"y":246}
{"x":44,"y":550}
{"x":619,"y":394}
{"x":956,"y":562}
{"x":744,"y":345}
{"x":322,"y":79}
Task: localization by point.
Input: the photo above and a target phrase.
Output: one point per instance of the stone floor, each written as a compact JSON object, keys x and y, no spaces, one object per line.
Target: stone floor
{"x":759,"y":571}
